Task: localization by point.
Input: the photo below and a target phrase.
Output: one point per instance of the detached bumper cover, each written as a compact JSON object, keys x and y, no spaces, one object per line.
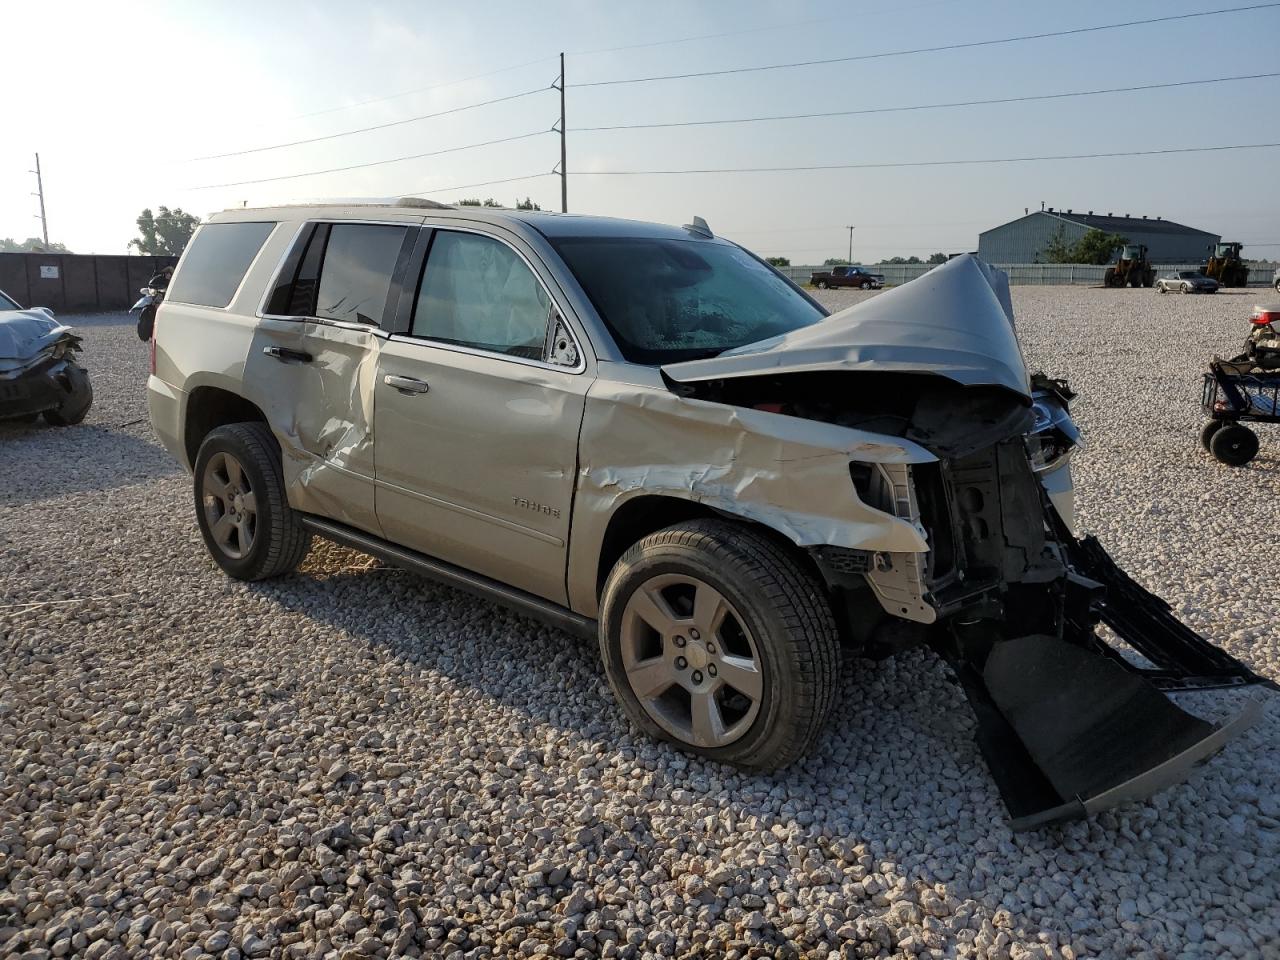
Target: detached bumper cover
{"x":1070,"y":726}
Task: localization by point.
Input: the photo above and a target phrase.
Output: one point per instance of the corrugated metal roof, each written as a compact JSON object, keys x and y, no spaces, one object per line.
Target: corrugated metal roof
{"x":1111,"y":224}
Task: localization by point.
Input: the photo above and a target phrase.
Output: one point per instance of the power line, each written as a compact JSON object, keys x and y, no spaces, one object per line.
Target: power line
{"x":896,"y":8}
{"x":374,"y":163}
{"x":409,"y":93}
{"x":926,"y":163}
{"x":936,"y":49}
{"x":377,"y":126}
{"x":926,"y":106}
{"x":468,"y":186}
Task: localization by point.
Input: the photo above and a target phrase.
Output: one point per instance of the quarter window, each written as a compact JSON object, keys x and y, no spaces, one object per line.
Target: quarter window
{"x":477,"y":292}
{"x":215,"y":262}
{"x":359,"y":261}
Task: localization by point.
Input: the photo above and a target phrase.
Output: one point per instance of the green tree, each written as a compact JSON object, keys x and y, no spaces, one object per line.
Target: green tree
{"x":778,"y":261}
{"x":527,"y":204}
{"x":30,"y":245}
{"x":835,"y":262}
{"x":164,"y":233}
{"x":902,"y":260}
{"x":477,"y":202}
{"x":1094,"y":247}
{"x":937,"y":258}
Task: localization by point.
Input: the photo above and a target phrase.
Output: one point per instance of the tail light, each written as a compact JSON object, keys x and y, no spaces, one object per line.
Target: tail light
{"x":1265,"y":315}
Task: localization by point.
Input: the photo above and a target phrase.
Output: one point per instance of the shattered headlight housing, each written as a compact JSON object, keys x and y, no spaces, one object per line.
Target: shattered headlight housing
{"x":1053,"y":434}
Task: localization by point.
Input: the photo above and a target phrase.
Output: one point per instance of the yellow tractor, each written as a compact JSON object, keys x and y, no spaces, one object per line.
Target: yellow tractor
{"x":1226,"y":266}
{"x":1132,"y":269}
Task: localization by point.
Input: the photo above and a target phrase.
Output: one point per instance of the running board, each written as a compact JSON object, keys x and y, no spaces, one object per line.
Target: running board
{"x":1183,"y":660}
{"x":1067,"y":732}
{"x":453,"y":576}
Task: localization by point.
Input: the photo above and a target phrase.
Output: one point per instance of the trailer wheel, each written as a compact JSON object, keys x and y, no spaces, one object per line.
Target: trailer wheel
{"x":1207,"y":432}
{"x":1234,"y":445}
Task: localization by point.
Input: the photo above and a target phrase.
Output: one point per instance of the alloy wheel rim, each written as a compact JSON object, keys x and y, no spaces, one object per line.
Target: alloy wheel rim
{"x":691,"y":661}
{"x":230,"y":505}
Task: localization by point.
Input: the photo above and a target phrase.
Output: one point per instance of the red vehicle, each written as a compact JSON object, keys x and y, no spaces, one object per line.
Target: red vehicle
{"x":851,"y":276}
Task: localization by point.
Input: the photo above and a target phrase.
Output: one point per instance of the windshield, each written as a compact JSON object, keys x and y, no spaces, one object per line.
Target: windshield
{"x":1188,"y":275}
{"x":7,"y":303}
{"x":669,"y":300}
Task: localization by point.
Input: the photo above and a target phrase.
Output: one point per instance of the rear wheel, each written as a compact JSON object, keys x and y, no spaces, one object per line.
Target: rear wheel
{"x":245,"y":519}
{"x":716,"y":639}
{"x":822,"y":284}
{"x":1207,"y":432}
{"x":1186,"y":288}
{"x":864,"y":285}
{"x":1234,"y":445}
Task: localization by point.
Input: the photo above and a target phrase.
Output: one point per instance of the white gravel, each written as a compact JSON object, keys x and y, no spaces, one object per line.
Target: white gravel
{"x":352,"y":762}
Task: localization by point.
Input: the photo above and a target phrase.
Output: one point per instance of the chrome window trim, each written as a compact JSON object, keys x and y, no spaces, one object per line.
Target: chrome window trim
{"x":558,"y":308}
{"x":244,"y":278}
{"x":487,"y":354}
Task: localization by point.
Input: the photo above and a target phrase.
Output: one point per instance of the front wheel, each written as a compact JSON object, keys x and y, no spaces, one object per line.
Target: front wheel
{"x":75,"y":407}
{"x":245,"y":519}
{"x":1186,"y":288}
{"x":1235,"y":445}
{"x":146,"y":322}
{"x":714,"y":638}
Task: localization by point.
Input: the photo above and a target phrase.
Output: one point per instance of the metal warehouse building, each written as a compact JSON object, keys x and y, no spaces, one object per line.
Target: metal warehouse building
{"x":1024,"y":240}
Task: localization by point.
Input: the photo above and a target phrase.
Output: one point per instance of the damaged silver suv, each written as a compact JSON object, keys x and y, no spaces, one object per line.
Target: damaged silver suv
{"x":647,"y":435}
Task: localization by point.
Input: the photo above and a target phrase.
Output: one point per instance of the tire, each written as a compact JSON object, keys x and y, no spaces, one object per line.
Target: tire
{"x":1160,"y":287}
{"x":1186,"y":288}
{"x":1234,"y":445}
{"x":79,"y":399}
{"x":269,"y":540}
{"x":822,"y":285}
{"x":864,"y":285}
{"x":146,"y":323}
{"x":776,"y":618}
{"x":1278,"y":286}
{"x":1207,"y":431}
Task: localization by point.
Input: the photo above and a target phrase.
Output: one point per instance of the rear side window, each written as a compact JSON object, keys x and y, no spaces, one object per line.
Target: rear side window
{"x":359,"y":261}
{"x":216,"y":261}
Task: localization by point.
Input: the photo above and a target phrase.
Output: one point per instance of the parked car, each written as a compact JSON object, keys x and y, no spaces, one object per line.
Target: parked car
{"x":646,"y":435}
{"x":859,"y":277}
{"x":39,"y":373}
{"x":1186,"y":281}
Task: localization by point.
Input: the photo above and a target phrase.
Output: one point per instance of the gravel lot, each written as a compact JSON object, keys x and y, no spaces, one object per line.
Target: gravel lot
{"x":352,"y":762}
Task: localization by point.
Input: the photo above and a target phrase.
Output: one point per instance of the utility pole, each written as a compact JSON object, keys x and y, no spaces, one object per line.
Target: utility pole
{"x":44,"y":223}
{"x":564,"y":170}
{"x":850,"y":245}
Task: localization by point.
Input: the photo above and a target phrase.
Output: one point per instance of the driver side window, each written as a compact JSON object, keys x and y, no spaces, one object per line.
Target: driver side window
{"x":477,"y":292}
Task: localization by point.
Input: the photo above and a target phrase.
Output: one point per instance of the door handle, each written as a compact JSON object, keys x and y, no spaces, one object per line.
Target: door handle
{"x":285,"y":355}
{"x":406,"y":384}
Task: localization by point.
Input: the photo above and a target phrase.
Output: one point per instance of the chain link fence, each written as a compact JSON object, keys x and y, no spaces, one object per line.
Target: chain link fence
{"x":1261,"y":273}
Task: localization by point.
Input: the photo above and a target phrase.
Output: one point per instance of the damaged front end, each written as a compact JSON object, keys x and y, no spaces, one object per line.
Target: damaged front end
{"x":1006,"y":593}
{"x":38,"y":369}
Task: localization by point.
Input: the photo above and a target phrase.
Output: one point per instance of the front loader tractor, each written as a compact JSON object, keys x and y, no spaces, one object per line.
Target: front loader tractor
{"x":1226,"y":266}
{"x":1132,"y":269}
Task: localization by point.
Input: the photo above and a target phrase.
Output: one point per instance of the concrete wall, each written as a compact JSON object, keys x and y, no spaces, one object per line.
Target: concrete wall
{"x":84,"y":283}
{"x":1019,"y":241}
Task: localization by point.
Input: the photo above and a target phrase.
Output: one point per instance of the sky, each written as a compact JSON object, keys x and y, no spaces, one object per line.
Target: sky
{"x":121,"y":100}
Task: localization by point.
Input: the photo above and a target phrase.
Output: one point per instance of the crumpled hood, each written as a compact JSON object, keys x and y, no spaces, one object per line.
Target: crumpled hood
{"x":956,"y":321}
{"x":25,"y":334}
